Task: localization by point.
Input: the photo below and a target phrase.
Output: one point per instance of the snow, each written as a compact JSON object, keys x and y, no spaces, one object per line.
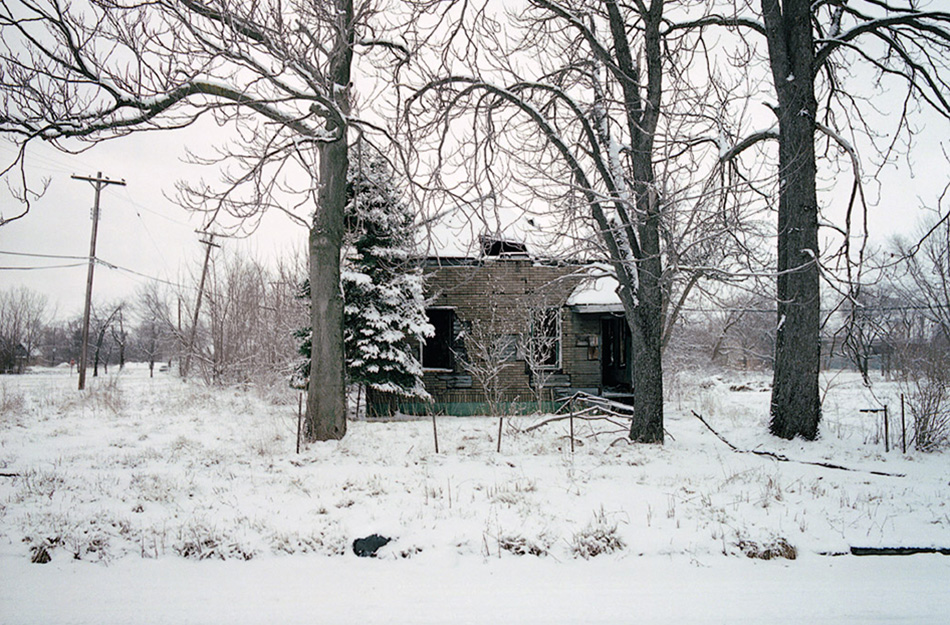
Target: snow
{"x":309,"y":589}
{"x":597,"y":293}
{"x":169,"y":502}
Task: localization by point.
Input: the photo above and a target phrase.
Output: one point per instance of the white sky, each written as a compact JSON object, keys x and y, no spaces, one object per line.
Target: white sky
{"x":143,"y":232}
{"x":140,"y":230}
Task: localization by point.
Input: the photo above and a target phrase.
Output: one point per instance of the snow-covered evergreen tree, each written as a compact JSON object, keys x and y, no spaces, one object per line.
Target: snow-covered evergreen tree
{"x":384,"y":315}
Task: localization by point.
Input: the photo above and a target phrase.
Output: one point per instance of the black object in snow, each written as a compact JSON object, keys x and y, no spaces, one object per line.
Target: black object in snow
{"x":367,"y":547}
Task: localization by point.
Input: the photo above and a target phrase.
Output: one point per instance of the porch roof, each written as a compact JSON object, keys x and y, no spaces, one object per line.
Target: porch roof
{"x":597,"y":293}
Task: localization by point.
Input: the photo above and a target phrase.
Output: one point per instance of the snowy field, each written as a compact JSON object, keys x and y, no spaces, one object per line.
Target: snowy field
{"x":164,"y":502}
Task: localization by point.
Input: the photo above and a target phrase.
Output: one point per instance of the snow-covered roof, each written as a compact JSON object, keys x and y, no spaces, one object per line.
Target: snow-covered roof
{"x":597,"y":293}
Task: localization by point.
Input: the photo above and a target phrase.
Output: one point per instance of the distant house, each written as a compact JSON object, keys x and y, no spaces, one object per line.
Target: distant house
{"x":512,"y":331}
{"x":14,"y":357}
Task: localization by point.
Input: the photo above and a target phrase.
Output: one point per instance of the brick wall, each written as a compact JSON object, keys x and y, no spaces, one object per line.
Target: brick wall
{"x":496,"y":297}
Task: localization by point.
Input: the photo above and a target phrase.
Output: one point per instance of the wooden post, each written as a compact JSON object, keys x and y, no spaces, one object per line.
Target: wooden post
{"x":571,"y":413}
{"x":299,"y":418}
{"x":903,"y":428}
{"x":435,"y":434}
{"x":887,"y":433}
{"x":572,"y":431}
{"x":501,"y":420}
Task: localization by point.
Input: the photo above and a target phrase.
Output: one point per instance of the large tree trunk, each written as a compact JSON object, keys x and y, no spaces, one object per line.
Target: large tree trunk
{"x":795,"y":409}
{"x":642,"y":120}
{"x":326,"y":392}
{"x":647,"y":332}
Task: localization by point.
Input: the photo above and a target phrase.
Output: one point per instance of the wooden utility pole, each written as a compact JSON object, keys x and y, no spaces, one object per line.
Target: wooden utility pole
{"x":209,"y":241}
{"x":98,"y":183}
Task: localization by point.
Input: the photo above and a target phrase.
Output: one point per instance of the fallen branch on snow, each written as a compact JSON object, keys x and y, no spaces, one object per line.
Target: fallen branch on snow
{"x":897,"y":551}
{"x":781,"y":458}
{"x":581,"y":416}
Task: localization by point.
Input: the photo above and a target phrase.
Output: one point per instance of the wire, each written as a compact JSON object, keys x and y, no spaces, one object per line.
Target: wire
{"x":124,"y":196}
{"x":65,"y":165}
{"x":58,"y":256}
{"x":39,"y":268}
{"x":109,"y":265}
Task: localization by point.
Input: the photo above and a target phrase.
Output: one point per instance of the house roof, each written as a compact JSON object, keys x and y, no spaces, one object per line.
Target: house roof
{"x":597,"y":293}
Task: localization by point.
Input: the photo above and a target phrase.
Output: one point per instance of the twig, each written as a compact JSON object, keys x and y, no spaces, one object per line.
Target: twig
{"x":781,"y":458}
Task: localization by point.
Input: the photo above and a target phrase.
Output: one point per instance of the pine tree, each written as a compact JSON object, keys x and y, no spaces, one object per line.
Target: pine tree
{"x":384,"y":313}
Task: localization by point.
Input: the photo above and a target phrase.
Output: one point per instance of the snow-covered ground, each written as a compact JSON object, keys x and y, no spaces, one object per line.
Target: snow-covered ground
{"x":160,"y":501}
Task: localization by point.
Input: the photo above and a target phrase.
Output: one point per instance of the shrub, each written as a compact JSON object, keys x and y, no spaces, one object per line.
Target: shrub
{"x":771,"y":550}
{"x":599,"y":537}
{"x":521,"y":546}
{"x":930,"y":409}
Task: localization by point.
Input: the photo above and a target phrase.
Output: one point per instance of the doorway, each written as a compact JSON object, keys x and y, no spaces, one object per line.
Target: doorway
{"x":615,"y":351}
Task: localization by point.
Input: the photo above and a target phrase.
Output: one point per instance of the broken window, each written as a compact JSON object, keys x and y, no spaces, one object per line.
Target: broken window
{"x":546,"y":338}
{"x":437,"y":349}
{"x":500,"y":247}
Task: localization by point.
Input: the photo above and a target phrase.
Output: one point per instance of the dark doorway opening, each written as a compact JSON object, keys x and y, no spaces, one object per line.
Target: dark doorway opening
{"x":615,"y":351}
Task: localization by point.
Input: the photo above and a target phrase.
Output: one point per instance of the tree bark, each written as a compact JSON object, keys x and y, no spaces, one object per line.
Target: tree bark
{"x":647,"y":333}
{"x":647,"y":327}
{"x":326,"y":391}
{"x":795,"y":408}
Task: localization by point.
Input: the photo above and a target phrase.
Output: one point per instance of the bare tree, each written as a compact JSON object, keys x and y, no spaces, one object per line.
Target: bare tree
{"x":490,"y":348}
{"x":924,"y":279}
{"x":278,"y":73}
{"x":829,"y":64}
{"x":155,"y":333}
{"x":918,"y":326}
{"x":245,"y":333}
{"x":740,"y":330}
{"x":539,"y":342}
{"x":868,"y":314}
{"x":103,"y":320}
{"x":22,"y":318}
{"x":578,"y":103}
{"x":60,"y":341}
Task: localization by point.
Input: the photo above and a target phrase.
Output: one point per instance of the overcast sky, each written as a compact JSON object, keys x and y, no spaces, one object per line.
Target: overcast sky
{"x":140,"y":230}
{"x":146,"y":236}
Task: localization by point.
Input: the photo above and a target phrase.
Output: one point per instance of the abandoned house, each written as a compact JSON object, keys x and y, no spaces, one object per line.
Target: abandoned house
{"x":514,"y":334}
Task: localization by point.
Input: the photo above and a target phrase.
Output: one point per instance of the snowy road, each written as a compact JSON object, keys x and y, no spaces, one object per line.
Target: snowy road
{"x":289,"y":590}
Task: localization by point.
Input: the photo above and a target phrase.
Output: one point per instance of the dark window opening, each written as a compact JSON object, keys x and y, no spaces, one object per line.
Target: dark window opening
{"x":546,"y":338}
{"x":437,"y":349}
{"x":500,"y":247}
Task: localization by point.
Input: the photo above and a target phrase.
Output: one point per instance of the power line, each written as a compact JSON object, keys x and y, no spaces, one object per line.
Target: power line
{"x":56,"y":256}
{"x":40,"y":268}
{"x":109,"y":265}
{"x":98,"y":261}
{"x":126,"y":197}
